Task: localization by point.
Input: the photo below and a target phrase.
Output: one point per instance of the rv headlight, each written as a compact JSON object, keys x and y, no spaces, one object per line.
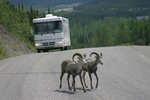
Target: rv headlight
{"x":37,"y":44}
{"x":60,"y":42}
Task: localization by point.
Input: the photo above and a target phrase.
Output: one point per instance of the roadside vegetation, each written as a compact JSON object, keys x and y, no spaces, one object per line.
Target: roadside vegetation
{"x":3,"y":54}
{"x":16,"y":20}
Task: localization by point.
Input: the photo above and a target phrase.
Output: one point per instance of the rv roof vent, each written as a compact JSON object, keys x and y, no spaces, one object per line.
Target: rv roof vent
{"x":49,"y":15}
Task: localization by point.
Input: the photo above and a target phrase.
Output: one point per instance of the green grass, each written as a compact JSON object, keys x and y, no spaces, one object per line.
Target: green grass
{"x":15,"y":47}
{"x":3,"y":54}
{"x":127,"y":44}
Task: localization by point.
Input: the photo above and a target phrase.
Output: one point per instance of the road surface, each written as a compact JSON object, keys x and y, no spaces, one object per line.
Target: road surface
{"x":125,"y":75}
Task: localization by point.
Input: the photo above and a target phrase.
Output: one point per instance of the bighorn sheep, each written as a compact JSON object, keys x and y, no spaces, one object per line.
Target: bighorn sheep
{"x":73,"y":68}
{"x":91,"y":67}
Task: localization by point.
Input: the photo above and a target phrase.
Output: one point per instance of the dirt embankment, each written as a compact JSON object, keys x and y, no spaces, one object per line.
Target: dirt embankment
{"x":11,"y":44}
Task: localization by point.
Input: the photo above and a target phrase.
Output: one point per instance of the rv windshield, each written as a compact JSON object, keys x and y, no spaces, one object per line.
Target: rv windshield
{"x":47,"y":27}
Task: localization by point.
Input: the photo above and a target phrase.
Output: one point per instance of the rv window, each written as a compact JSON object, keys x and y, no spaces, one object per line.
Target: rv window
{"x":47,"y":27}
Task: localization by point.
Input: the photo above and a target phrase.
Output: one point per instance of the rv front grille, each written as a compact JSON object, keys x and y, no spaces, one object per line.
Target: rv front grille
{"x":52,"y":43}
{"x":45,"y":44}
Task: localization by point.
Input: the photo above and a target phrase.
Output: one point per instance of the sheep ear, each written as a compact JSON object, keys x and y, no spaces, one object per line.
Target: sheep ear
{"x":101,"y":54}
{"x":84,"y":55}
{"x":78,"y":57}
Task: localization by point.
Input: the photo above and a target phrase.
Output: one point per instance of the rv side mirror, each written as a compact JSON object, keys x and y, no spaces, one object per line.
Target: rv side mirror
{"x":32,"y":32}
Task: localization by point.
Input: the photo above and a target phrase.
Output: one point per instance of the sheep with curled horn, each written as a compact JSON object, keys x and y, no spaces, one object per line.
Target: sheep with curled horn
{"x":73,"y":68}
{"x":91,"y":67}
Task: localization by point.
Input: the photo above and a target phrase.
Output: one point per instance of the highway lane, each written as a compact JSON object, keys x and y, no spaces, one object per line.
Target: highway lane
{"x":125,"y":75}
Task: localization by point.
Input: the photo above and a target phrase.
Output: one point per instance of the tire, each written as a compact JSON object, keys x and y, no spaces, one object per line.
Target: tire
{"x":38,"y":50}
{"x":67,"y":48}
{"x":62,"y":49}
{"x":45,"y":50}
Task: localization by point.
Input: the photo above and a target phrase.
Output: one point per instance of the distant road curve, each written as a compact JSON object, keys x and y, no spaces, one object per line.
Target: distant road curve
{"x":125,"y":75}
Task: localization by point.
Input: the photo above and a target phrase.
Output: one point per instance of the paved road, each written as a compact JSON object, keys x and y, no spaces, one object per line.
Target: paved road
{"x":125,"y":75}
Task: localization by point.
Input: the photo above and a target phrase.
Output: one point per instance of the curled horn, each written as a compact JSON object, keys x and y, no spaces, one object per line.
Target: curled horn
{"x":94,"y":53}
{"x":76,"y":54}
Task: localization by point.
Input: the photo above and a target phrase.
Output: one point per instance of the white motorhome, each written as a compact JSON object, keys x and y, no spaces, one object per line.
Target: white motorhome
{"x":51,"y":32}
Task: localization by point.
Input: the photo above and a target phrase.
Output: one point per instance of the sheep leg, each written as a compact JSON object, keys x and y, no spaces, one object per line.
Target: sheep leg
{"x":91,"y":80}
{"x":62,"y":74}
{"x":68,"y":81}
{"x":84,"y":79}
{"x":73,"y":83}
{"x":97,"y":79}
{"x":82,"y":83}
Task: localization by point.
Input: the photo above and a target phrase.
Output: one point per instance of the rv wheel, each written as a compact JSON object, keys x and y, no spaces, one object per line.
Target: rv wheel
{"x":62,"y":49}
{"x":38,"y":51}
{"x":45,"y":50}
{"x":67,"y":48}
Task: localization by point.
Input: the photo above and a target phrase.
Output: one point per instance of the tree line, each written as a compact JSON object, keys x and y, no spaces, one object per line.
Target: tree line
{"x":118,"y":8}
{"x":109,"y":23}
{"x":110,"y":32}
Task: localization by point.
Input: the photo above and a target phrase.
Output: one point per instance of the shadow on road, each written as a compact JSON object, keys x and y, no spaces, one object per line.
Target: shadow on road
{"x":70,"y":92}
{"x":64,"y":91}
